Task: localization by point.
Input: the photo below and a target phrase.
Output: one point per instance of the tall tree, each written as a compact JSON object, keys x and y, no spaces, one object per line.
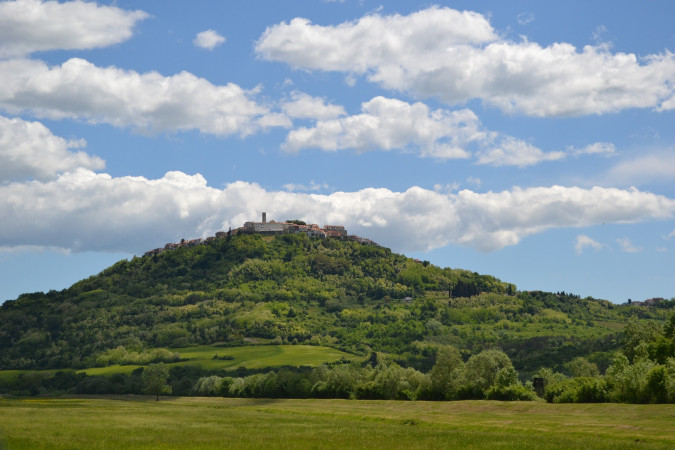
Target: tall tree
{"x":155,"y":378}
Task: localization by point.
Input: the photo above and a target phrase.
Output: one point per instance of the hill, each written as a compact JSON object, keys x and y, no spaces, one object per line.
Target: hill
{"x":291,"y":289}
{"x":407,"y":329}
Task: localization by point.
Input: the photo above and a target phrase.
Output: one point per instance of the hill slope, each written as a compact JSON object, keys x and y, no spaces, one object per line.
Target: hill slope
{"x":293,"y":289}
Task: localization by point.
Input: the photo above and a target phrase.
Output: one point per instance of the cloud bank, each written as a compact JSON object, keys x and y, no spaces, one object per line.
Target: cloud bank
{"x":82,"y":210}
{"x":457,"y":56}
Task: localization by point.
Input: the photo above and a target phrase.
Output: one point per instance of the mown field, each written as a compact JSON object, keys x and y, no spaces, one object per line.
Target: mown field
{"x":250,"y":356}
{"x":141,"y":422}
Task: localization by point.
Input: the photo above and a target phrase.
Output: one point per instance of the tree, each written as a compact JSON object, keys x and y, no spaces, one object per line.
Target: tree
{"x":637,"y":332}
{"x":482,"y":369}
{"x":155,"y":378}
{"x":581,"y":367}
{"x":445,"y":375}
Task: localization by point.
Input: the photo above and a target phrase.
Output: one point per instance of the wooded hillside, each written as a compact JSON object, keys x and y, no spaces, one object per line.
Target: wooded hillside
{"x":293,"y":289}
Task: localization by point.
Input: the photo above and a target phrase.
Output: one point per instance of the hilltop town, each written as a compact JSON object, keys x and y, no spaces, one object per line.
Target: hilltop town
{"x":271,"y":228}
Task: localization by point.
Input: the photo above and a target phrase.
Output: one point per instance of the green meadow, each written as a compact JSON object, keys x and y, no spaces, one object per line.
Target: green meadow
{"x":259,"y":356}
{"x":250,"y":356}
{"x":182,"y":422}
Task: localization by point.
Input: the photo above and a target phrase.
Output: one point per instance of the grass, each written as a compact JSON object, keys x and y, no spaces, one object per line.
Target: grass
{"x":252,"y":357}
{"x":140,"y":422}
{"x":260,"y":356}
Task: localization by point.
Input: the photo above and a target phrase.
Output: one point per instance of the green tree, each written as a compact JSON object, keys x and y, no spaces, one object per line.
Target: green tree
{"x":155,"y":378}
{"x":637,"y":332}
{"x":482,"y":369}
{"x":581,"y":367}
{"x":446,"y":373}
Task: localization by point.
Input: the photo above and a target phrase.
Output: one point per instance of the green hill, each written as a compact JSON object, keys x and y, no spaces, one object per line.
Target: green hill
{"x":360,"y":299}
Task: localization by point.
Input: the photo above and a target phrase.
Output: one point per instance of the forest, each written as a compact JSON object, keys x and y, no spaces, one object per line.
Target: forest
{"x":415,"y":330}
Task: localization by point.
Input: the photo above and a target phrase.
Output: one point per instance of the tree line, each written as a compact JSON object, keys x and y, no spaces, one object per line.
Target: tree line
{"x":642,"y":371}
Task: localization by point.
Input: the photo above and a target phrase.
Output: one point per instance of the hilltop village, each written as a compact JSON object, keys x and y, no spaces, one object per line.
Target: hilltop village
{"x":271,"y":228}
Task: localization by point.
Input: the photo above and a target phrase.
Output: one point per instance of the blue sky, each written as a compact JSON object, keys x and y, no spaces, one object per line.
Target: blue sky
{"x":528,"y":140}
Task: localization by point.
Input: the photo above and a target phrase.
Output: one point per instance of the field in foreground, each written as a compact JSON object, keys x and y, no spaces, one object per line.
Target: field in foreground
{"x":255,"y":423}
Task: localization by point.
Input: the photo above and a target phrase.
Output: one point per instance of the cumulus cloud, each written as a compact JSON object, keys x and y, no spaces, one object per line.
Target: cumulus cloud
{"x":147,"y":102}
{"x":387,"y":124}
{"x":583,"y":242}
{"x":30,"y":150}
{"x":627,"y":246}
{"x":457,"y":56}
{"x":82,"y":210}
{"x":28,"y":26}
{"x":208,"y":39}
{"x":303,"y":106}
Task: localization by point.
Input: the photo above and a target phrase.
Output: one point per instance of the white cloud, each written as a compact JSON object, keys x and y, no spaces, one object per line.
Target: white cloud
{"x":627,"y":246}
{"x":525,"y":18}
{"x":28,"y":26}
{"x":313,"y":186}
{"x":667,"y":105}
{"x":474,"y":181}
{"x":598,"y":148}
{"x":82,"y":210}
{"x":458,"y":56}
{"x":387,"y":124}
{"x":510,"y":151}
{"x":30,"y":150}
{"x":582,"y":242}
{"x":208,"y":39}
{"x":304,"y":106}
{"x":647,"y":168}
{"x":147,"y":102}
{"x":599,"y":33}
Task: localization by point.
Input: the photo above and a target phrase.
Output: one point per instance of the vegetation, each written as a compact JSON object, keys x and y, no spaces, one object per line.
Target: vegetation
{"x":140,"y":422}
{"x":155,"y":378}
{"x":411,"y":330}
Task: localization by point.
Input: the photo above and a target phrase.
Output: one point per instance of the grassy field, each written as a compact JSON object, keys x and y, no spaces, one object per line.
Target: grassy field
{"x":251,"y":356}
{"x":256,"y":423}
{"x":255,"y":357}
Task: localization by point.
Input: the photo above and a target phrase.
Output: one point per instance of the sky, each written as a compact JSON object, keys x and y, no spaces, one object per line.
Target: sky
{"x":528,"y":140}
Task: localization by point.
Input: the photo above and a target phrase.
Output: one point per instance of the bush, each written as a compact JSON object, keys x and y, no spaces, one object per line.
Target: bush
{"x":578,"y":390}
{"x":514,"y":392}
{"x":208,"y":386}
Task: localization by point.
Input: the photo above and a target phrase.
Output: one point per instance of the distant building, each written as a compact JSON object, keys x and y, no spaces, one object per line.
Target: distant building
{"x":336,"y":231}
{"x":271,"y":228}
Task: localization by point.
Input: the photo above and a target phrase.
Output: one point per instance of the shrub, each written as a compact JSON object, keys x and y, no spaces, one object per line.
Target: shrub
{"x":578,"y":390}
{"x":512,"y":392}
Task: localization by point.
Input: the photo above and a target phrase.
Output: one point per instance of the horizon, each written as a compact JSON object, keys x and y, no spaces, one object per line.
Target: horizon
{"x":530,"y":142}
